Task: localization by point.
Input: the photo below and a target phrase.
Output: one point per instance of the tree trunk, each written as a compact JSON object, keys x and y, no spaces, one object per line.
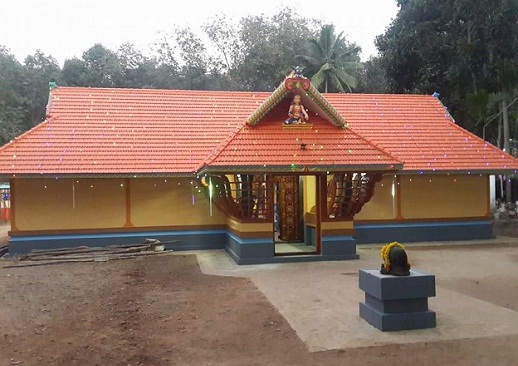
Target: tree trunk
{"x":505,"y":125}
{"x":499,"y":135}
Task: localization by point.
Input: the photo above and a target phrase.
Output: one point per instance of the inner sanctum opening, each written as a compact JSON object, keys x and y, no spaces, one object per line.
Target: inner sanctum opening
{"x":295,"y":222}
{"x":292,"y":214}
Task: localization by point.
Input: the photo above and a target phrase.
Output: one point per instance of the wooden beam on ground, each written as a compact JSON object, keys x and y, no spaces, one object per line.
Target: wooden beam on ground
{"x":4,"y":249}
{"x":98,"y":258}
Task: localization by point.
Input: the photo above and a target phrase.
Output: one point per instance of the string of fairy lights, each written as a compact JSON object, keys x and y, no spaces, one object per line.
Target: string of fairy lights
{"x":199,"y":184}
{"x":203,"y":185}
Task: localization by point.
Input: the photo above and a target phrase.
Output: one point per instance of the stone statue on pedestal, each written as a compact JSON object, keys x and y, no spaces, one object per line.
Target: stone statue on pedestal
{"x":395,"y":260}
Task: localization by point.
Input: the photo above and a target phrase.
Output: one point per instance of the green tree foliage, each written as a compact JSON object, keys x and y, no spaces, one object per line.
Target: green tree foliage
{"x":224,"y":36}
{"x":102,"y":67}
{"x":40,"y":69}
{"x":74,"y":72}
{"x":257,"y":52}
{"x":331,"y":61}
{"x":13,"y":102}
{"x":269,"y":47}
{"x":141,"y":71}
{"x":24,"y":91}
{"x":467,"y":50}
{"x":372,"y":78}
{"x":11,"y":119}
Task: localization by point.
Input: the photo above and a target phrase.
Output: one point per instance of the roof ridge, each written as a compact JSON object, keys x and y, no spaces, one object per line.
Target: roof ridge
{"x":327,"y":107}
{"x":267,"y":105}
{"x":158,"y":90}
{"x":234,"y":91}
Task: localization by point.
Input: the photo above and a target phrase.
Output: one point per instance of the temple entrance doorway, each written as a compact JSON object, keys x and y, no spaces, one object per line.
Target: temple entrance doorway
{"x":295,"y":215}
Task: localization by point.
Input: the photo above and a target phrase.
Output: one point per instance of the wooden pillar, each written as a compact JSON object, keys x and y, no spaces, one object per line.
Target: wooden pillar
{"x":322,"y":197}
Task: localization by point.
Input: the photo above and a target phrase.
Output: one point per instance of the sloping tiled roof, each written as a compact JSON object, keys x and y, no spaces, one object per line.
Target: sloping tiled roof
{"x":318,"y":145}
{"x":93,"y":131}
{"x":419,"y":131}
{"x":124,"y":131}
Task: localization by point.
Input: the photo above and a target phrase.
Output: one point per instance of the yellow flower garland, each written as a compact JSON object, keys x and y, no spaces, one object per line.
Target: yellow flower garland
{"x":385,"y":251}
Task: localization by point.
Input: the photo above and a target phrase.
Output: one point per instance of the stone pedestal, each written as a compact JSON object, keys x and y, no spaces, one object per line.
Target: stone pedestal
{"x":397,"y":303}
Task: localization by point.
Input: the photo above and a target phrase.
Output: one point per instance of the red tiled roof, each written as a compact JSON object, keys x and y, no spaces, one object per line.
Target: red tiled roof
{"x":124,"y":131}
{"x":419,"y":131}
{"x":272,"y":145}
{"x":134,"y":131}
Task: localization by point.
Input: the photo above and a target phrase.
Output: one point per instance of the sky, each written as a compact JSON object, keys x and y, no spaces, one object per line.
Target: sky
{"x":67,"y":28}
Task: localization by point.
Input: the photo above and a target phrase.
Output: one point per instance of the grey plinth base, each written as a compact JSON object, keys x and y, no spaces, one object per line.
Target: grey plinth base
{"x":397,"y":303}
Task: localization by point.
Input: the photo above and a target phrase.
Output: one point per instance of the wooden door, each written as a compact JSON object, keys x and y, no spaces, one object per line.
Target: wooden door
{"x":288,"y":200}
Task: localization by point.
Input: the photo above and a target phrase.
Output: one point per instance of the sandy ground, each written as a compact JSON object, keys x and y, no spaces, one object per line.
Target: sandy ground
{"x":477,"y":294}
{"x":167,"y":311}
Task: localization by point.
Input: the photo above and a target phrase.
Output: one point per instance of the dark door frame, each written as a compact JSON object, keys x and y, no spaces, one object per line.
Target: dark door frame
{"x":318,"y":203}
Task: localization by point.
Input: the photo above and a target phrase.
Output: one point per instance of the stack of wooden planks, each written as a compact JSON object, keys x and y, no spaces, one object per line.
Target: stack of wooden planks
{"x":92,"y":254}
{"x":3,"y":249}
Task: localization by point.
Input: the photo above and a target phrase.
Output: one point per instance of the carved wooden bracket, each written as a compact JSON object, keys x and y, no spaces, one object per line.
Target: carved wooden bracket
{"x":243,"y":196}
{"x":348,"y":192}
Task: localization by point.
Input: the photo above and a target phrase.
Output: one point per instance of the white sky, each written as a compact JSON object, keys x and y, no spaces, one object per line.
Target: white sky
{"x":67,"y":28}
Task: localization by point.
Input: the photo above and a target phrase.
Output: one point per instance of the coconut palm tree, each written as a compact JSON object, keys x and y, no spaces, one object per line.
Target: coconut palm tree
{"x":329,"y":59}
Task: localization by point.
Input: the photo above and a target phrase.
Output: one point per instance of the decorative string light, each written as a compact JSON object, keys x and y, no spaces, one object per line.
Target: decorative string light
{"x":74,"y":195}
{"x":193,"y":198}
{"x":210,"y":195}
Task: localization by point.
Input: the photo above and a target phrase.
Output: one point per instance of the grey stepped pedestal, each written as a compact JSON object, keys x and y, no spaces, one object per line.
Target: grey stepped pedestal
{"x":397,"y":303}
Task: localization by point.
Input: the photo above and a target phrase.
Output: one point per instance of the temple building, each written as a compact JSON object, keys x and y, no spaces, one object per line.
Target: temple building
{"x":284,"y":176}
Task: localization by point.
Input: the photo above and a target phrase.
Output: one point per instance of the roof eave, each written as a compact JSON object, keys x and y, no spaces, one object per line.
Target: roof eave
{"x":298,"y":168}
{"x":4,"y":176}
{"x":458,"y":171}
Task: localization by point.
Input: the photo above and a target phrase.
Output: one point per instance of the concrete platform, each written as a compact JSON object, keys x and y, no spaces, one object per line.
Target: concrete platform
{"x":397,"y":303}
{"x":320,"y":299}
{"x":385,"y":287}
{"x":388,"y":322}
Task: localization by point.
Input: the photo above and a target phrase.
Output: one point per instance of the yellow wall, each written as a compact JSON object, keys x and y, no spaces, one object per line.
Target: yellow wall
{"x":48,"y":204}
{"x":442,"y":196}
{"x":336,"y":225}
{"x":168,"y":202}
{"x":310,"y":192}
{"x":381,"y":206}
{"x":249,"y":227}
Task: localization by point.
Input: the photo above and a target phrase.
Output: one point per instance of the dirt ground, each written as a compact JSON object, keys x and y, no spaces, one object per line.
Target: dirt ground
{"x":162,"y":310}
{"x":508,"y":227}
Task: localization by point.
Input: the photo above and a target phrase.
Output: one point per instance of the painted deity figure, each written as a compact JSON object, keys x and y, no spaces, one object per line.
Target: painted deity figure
{"x":297,"y":113}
